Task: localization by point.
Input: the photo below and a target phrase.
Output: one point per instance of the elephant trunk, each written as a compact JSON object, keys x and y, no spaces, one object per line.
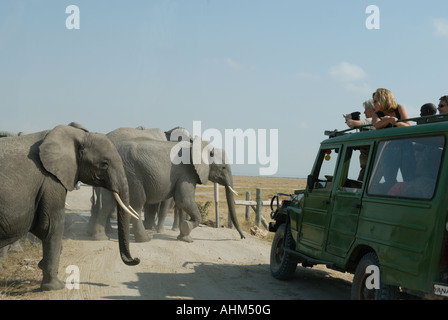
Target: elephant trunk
{"x":232,"y":211}
{"x":123,"y":220}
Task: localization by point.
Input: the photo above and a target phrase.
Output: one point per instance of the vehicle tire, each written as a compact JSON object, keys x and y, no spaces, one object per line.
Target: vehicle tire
{"x":359,"y":289}
{"x":283,"y":264}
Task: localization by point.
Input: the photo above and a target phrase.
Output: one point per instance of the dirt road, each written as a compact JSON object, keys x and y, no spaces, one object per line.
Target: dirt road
{"x":216,"y":266}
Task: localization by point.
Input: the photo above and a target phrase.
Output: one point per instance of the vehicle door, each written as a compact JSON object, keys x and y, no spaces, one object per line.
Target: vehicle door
{"x":347,"y":198}
{"x":317,"y":202}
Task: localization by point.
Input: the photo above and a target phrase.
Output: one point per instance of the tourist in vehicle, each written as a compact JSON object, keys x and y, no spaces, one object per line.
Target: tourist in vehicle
{"x":388,"y":111}
{"x":443,"y":105}
{"x":428,"y":109}
{"x":369,"y":109}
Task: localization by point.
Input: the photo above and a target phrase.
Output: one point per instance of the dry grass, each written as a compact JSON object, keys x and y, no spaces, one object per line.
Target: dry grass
{"x":19,"y":272}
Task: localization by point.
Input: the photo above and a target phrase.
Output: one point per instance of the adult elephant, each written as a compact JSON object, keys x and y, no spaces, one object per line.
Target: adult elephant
{"x":154,"y":177}
{"x":99,"y":222}
{"x":36,"y":172}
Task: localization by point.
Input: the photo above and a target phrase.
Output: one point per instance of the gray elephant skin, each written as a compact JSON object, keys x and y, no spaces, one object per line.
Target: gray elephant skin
{"x":99,"y":224}
{"x":36,"y":172}
{"x":153,"y":178}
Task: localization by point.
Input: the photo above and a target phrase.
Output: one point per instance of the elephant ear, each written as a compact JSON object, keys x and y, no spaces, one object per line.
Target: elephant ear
{"x":200,"y":164}
{"x":59,"y":152}
{"x":77,"y":125}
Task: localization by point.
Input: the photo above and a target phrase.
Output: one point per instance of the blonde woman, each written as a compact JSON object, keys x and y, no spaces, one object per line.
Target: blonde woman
{"x":388,"y":111}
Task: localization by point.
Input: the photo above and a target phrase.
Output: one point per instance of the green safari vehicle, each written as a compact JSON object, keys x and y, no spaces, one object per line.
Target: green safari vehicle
{"x":375,"y":205}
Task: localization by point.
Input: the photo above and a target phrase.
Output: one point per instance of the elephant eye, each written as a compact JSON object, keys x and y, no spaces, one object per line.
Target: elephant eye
{"x":104,"y":165}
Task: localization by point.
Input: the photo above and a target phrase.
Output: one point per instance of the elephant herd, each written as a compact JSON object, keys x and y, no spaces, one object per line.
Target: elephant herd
{"x":132,"y":171}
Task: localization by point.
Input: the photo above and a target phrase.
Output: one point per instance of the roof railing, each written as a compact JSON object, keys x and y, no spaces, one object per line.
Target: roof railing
{"x":419,"y":120}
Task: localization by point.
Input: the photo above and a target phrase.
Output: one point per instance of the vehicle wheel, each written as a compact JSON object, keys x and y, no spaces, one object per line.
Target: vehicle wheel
{"x":359,"y":289}
{"x":283,"y":264}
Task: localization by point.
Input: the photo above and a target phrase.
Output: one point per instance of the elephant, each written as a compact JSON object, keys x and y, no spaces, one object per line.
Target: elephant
{"x":8,"y":134}
{"x":99,"y":223}
{"x":154,"y":178}
{"x":36,"y":172}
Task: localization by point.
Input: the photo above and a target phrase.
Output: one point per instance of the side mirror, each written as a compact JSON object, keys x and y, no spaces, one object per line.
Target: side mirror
{"x":310,"y":182}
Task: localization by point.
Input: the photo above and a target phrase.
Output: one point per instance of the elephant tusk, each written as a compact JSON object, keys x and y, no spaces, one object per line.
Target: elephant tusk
{"x":231,"y":189}
{"x":136,"y":213}
{"x":117,"y":197}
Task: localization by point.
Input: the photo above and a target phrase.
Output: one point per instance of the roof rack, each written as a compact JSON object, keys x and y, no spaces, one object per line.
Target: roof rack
{"x":337,"y":133}
{"x":367,"y":127}
{"x":429,"y":119}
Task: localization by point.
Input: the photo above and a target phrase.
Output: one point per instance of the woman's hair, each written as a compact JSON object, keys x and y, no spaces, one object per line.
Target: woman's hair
{"x":368,"y":104}
{"x":444,"y":98}
{"x":386,"y":100}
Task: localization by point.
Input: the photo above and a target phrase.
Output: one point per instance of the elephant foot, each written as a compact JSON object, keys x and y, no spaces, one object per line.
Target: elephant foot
{"x":148,"y":225}
{"x":185,"y":238}
{"x":54,"y":284}
{"x":49,"y":282}
{"x":109,"y":229}
{"x":175,"y":228}
{"x":140,"y":233}
{"x":99,"y":237}
{"x":186,"y":227}
{"x":185,"y":230}
{"x":145,"y":237}
{"x":161,"y":229}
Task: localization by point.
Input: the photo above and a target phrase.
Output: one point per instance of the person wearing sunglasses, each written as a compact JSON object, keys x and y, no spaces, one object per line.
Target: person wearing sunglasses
{"x":443,"y":105}
{"x":388,"y":111}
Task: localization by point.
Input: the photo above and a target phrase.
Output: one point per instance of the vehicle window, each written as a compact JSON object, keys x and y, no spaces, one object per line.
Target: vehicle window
{"x":407,"y":168}
{"x":354,"y":168}
{"x":328,"y":160}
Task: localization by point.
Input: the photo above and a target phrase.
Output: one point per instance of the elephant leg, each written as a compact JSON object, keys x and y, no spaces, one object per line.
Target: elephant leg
{"x":105,"y":209}
{"x":108,"y":226}
{"x":164,"y":208}
{"x":140,"y":233}
{"x":150,"y":215}
{"x":50,"y":228}
{"x":51,"y":249}
{"x":184,"y":199}
{"x":95,"y":201}
{"x":179,"y":216}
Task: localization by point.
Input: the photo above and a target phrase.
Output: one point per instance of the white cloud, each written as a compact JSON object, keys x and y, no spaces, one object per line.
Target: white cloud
{"x":232,"y":63}
{"x":440,"y":27}
{"x":227,"y":63}
{"x":347,"y":72}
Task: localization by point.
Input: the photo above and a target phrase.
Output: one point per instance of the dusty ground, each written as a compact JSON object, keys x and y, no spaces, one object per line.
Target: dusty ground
{"x":216,"y":266}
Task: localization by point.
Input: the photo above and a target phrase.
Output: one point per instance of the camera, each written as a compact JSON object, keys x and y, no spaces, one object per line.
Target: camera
{"x":355,"y":115}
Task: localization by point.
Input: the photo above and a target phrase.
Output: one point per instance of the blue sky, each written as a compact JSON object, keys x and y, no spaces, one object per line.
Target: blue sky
{"x":292,"y":66}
